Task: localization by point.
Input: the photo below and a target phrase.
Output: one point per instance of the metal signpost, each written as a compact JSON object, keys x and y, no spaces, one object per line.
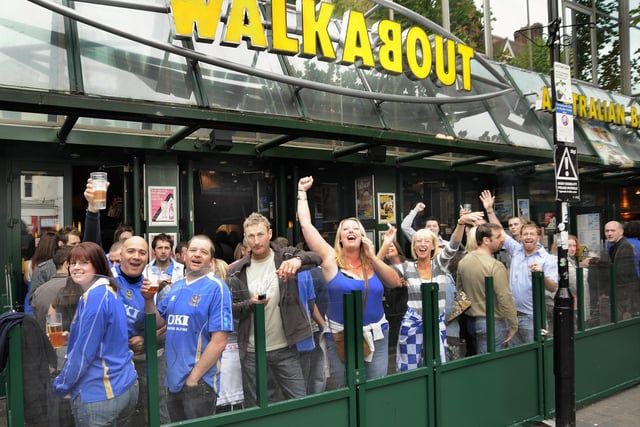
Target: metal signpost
{"x":567,"y":189}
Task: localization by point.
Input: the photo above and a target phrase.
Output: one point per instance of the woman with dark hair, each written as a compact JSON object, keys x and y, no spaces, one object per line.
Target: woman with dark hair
{"x":395,"y":299}
{"x":99,"y":375}
{"x":44,"y":250}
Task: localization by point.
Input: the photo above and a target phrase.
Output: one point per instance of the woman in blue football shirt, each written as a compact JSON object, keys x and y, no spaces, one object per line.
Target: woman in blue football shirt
{"x":98,"y":375}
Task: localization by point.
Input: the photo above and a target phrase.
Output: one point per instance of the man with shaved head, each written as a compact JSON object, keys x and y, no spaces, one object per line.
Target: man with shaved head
{"x":622,"y":255}
{"x":134,"y":256}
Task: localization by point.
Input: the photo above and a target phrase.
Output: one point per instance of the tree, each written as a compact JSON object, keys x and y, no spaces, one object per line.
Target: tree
{"x":607,"y":44}
{"x":539,"y":55}
{"x":466,"y":20}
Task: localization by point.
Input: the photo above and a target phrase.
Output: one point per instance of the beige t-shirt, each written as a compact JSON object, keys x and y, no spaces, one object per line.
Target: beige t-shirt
{"x":262,"y":279}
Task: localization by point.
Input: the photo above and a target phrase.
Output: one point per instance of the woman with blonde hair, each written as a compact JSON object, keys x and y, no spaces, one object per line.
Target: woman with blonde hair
{"x":351,"y":264}
{"x":574,"y":263}
{"x":430,"y":266}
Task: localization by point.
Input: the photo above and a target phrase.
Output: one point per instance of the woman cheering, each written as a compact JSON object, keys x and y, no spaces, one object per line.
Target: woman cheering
{"x":98,"y":375}
{"x":351,"y":264}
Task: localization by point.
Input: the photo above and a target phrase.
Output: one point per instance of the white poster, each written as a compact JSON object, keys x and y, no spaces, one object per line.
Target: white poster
{"x":589,"y":232}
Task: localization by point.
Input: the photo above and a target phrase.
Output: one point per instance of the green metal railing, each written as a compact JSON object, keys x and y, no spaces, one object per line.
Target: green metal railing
{"x":519,"y":380}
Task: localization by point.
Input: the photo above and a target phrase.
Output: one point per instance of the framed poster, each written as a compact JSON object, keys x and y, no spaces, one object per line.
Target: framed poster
{"x":371,"y":235}
{"x":162,"y":206}
{"x":523,"y":210}
{"x":381,"y":234}
{"x":386,"y":208}
{"x":364,"y":197}
{"x":503,"y":205}
{"x":588,"y":226}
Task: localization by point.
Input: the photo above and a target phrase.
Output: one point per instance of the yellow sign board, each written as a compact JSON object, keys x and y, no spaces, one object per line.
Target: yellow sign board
{"x":385,"y":46}
{"x":597,"y":109}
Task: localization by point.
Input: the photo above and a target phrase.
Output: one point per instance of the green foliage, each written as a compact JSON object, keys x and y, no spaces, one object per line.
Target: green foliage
{"x":466,"y":20}
{"x":608,"y":47}
{"x":539,"y":54}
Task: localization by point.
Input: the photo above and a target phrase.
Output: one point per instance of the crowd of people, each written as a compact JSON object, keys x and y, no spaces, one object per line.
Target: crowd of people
{"x":204,"y":306}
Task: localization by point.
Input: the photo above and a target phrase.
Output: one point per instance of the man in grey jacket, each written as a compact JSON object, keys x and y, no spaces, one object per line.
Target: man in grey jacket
{"x":268,"y":276}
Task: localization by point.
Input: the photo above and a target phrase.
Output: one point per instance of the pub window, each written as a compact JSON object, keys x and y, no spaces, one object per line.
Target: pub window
{"x":28,"y":186}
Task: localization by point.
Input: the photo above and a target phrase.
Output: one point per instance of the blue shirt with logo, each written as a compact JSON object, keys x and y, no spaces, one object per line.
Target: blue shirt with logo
{"x":192,"y":312}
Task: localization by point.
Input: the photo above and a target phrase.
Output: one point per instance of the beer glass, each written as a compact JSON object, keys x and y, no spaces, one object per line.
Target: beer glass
{"x":99,"y":182}
{"x":54,"y":330}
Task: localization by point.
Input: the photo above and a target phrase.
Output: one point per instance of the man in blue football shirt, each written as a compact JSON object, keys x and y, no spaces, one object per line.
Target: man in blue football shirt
{"x":198,"y":315}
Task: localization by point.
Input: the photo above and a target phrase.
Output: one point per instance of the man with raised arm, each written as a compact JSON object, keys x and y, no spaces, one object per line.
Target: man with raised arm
{"x":472,"y":270}
{"x":527,"y":256}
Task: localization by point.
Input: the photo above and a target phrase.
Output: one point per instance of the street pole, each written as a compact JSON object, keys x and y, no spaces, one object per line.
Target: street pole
{"x":567,"y":187}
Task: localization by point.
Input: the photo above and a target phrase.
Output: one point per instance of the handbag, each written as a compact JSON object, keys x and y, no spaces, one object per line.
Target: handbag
{"x":338,"y":337}
{"x":461,"y":303}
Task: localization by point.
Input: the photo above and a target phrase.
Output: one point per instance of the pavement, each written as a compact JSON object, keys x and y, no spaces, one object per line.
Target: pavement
{"x":619,"y":410}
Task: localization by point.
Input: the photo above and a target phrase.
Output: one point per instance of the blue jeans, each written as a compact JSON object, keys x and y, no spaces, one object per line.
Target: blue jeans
{"x":140,"y":417}
{"x":313,"y":368}
{"x":525,"y":331}
{"x":477,"y":327}
{"x":191,"y":402}
{"x":111,"y":412}
{"x":284,"y":368}
{"x":377,"y":368}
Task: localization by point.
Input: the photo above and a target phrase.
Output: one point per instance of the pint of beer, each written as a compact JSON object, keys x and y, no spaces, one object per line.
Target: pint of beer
{"x":99,"y":182}
{"x":153,"y":274}
{"x":54,"y":330}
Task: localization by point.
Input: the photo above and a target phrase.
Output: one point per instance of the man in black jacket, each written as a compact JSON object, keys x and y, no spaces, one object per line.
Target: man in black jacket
{"x":268,"y":276}
{"x":622,"y":255}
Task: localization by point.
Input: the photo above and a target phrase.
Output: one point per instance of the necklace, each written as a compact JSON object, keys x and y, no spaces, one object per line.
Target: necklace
{"x":355,"y":266}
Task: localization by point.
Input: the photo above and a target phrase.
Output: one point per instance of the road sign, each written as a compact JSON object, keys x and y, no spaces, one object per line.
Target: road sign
{"x":566,"y":173}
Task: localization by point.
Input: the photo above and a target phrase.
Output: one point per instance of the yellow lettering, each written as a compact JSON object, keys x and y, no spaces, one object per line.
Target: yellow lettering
{"x":388,"y":50}
{"x":601,"y":109}
{"x":545,"y":103}
{"x":196,"y":18}
{"x":354,"y":38}
{"x":583,"y":106}
{"x":466,"y":54}
{"x":245,"y":23}
{"x":414,"y":37}
{"x":280,"y":41}
{"x":635,"y":122}
{"x":611,"y":115}
{"x":620,"y":114}
{"x":593,"y":112}
{"x":447,"y":77}
{"x":316,"y":30}
{"x":574,"y":97}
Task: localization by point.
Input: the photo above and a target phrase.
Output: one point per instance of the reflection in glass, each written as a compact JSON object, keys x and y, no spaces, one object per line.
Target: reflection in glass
{"x":32,"y":51}
{"x":119,"y":67}
{"x":41,"y":202}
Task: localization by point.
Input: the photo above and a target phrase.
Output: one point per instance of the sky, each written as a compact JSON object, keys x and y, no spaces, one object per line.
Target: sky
{"x":511,"y":15}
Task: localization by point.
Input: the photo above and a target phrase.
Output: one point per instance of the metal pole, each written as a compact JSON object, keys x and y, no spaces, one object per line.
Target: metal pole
{"x":529,"y":36}
{"x":488,"y":39}
{"x":563,"y":320}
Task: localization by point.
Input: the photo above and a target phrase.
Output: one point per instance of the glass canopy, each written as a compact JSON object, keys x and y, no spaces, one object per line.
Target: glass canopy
{"x":41,"y":50}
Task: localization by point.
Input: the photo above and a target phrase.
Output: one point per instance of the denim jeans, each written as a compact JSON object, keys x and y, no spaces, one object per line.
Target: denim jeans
{"x":140,"y":417}
{"x":477,"y":327}
{"x":313,"y":368}
{"x":191,"y":402}
{"x":377,"y":368}
{"x":284,"y":368}
{"x":111,"y":412}
{"x":525,"y":331}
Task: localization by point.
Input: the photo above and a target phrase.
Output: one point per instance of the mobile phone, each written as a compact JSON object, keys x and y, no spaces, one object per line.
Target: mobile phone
{"x":262,"y":297}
